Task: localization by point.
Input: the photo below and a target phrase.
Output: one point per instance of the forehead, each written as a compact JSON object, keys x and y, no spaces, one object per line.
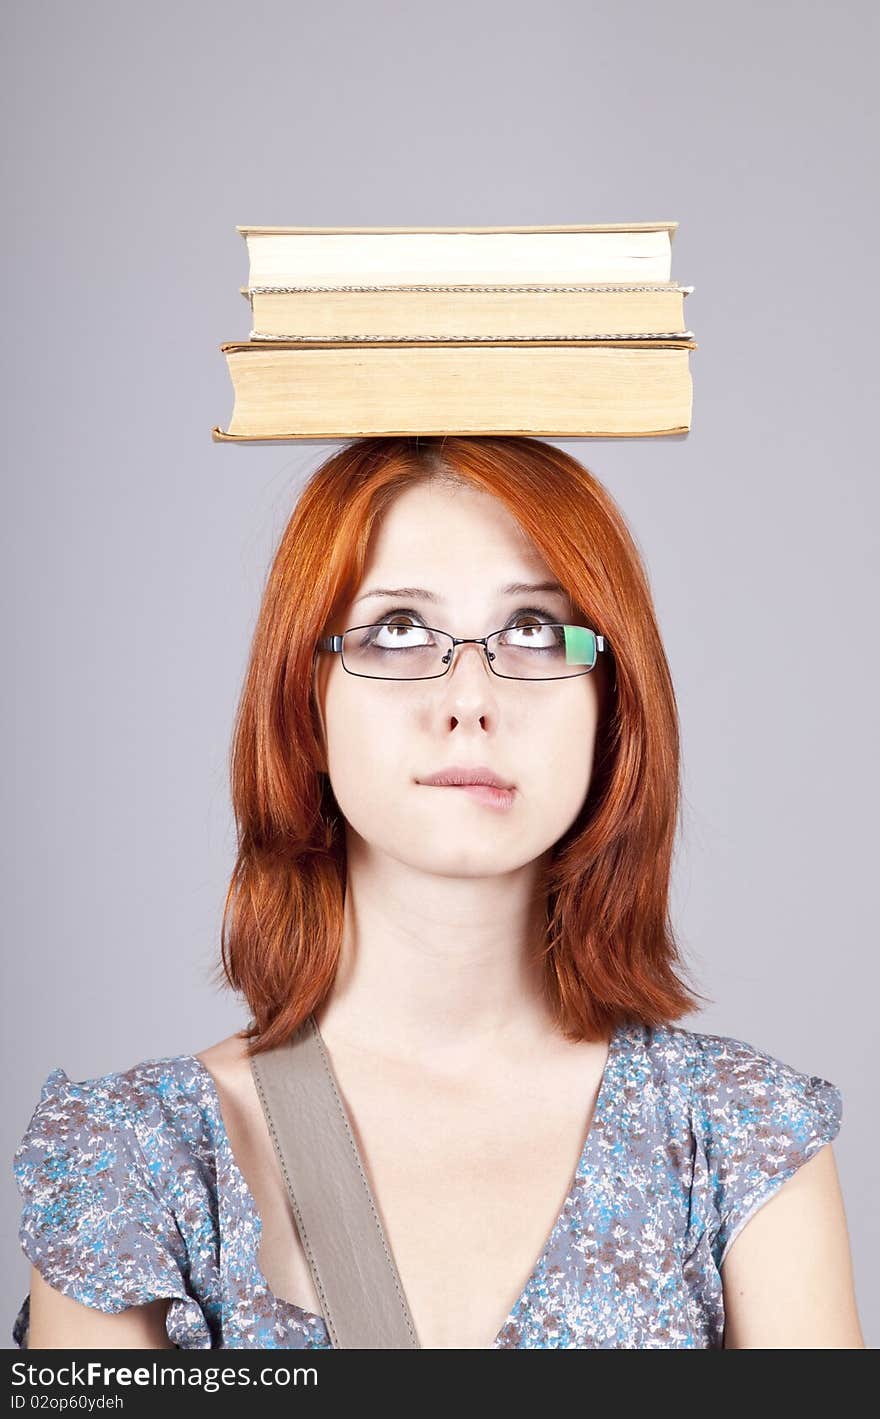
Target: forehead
{"x":444,"y":528}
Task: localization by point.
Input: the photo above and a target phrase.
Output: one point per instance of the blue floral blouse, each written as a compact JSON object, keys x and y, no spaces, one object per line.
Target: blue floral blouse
{"x":131,"y":1192}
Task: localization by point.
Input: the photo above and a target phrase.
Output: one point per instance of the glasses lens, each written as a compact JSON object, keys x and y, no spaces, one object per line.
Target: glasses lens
{"x":395,"y":650}
{"x":536,"y":651}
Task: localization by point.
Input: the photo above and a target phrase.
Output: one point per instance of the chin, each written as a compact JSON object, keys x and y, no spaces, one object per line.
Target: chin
{"x":479,"y":860}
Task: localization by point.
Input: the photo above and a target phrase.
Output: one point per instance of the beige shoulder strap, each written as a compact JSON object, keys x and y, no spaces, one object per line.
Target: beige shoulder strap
{"x":354,"y":1272}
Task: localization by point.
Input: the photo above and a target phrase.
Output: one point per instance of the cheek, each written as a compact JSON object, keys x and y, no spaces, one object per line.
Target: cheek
{"x":568,"y":747}
{"x":364,"y":749}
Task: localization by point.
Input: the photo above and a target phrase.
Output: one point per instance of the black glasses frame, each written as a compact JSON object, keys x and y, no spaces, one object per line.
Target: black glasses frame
{"x":334,"y":644}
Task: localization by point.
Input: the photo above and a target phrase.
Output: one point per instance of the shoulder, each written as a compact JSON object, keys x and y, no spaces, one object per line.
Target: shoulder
{"x":228,"y":1064}
{"x":763,"y":1129}
{"x":117,"y":1181}
{"x":754,"y":1120}
{"x":744,"y":1094}
{"x":155,"y":1100}
{"x":731,"y":1084}
{"x":138,"y":1142}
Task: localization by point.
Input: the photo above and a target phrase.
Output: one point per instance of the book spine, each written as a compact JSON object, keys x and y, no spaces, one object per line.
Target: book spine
{"x":604,"y":287}
{"x":218,"y":435}
{"x":258,"y":337}
{"x":676,"y":342}
{"x":620,"y":227}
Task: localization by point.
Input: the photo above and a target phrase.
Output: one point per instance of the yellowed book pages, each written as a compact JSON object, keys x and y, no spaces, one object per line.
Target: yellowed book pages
{"x":366,"y":256}
{"x":467,"y":312}
{"x":581,"y":389}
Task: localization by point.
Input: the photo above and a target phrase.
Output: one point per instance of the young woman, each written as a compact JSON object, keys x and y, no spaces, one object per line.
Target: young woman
{"x":455,"y":775}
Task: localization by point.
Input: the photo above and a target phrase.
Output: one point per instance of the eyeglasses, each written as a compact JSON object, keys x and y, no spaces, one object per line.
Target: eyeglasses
{"x":394,"y":650}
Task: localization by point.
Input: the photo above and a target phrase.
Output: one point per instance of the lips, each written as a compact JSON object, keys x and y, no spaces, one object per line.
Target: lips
{"x":462,"y":776}
{"x":479,"y":783}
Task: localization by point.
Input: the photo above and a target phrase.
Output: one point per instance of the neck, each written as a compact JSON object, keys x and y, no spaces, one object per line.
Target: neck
{"x":439,"y":970}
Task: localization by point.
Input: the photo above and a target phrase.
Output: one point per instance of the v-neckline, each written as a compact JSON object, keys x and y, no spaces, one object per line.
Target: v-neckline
{"x":585,"y":1161}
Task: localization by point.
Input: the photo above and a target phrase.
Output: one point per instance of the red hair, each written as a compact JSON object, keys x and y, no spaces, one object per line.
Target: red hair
{"x":609,"y":954}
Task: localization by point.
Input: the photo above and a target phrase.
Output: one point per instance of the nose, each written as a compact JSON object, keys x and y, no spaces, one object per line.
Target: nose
{"x":477,"y":647}
{"x":469,"y":698}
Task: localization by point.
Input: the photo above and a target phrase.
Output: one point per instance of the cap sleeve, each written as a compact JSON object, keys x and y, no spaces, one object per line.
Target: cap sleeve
{"x":761,"y":1120}
{"x":92,"y":1221}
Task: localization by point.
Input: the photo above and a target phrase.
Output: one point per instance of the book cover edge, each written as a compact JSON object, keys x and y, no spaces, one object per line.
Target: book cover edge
{"x":670,"y":227}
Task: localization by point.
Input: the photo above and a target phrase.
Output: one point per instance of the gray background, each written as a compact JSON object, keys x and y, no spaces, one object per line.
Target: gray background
{"x":134,"y":548}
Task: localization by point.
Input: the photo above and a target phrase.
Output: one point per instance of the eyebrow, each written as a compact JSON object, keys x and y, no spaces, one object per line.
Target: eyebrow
{"x":515,"y":588}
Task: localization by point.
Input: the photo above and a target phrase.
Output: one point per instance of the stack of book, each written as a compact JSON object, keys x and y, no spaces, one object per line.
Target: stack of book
{"x":574,"y":331}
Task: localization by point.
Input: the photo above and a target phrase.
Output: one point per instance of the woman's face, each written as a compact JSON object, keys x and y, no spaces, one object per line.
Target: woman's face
{"x":384,"y":737}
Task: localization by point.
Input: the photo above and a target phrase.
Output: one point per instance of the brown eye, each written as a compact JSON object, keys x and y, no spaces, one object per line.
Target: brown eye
{"x":526,"y":623}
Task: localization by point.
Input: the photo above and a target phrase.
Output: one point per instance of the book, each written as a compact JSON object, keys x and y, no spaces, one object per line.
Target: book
{"x":466,"y":312}
{"x":374,"y":256}
{"x":572,"y":388}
